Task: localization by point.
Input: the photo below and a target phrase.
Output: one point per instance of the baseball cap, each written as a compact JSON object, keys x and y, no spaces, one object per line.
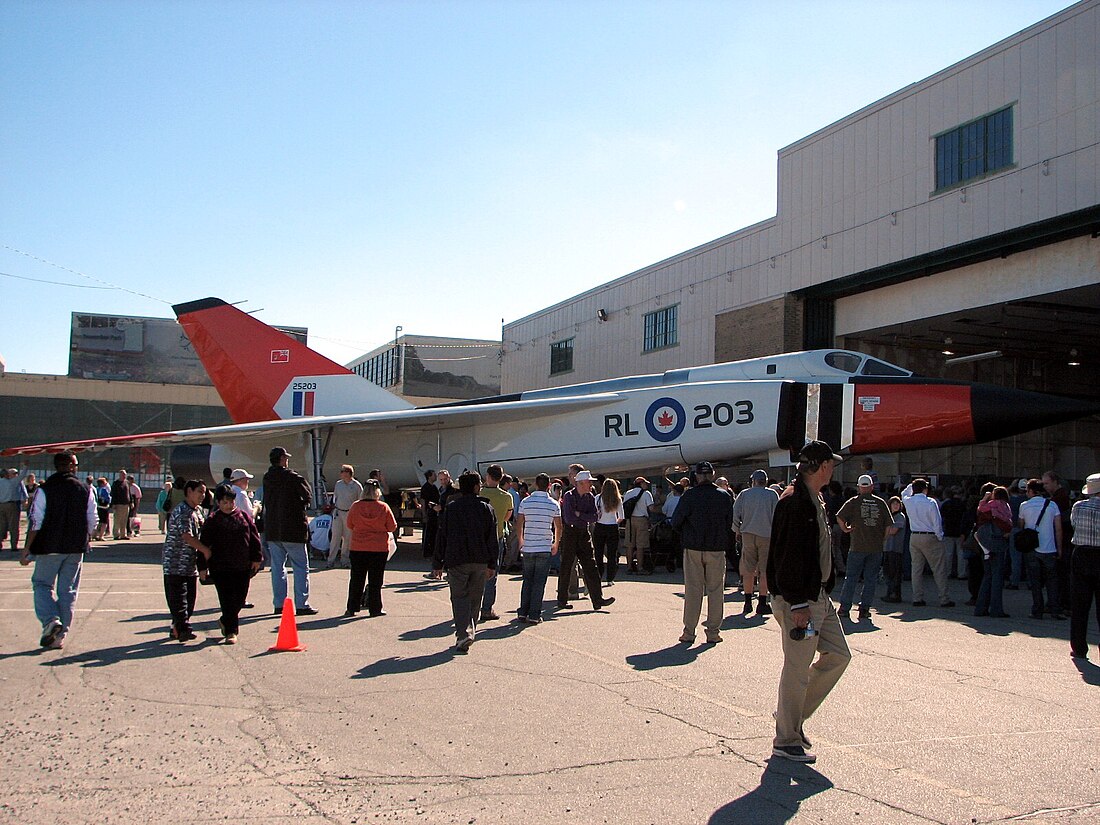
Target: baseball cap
{"x":278,"y":452}
{"x":817,"y":451}
{"x":238,"y":474}
{"x":704,"y":467}
{"x":866,"y":481}
{"x":641,"y":480}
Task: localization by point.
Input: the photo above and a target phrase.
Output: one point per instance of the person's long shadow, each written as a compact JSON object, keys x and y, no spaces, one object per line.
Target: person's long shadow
{"x":783,"y":787}
{"x":1090,"y":673}
{"x":866,"y":626}
{"x":130,"y":653}
{"x":434,"y":631}
{"x":672,"y":656}
{"x":164,"y":616}
{"x":401,"y":664}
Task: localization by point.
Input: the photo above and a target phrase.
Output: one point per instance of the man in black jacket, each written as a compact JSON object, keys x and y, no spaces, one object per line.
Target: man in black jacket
{"x":63,"y":518}
{"x":286,"y":497}
{"x":467,"y":546}
{"x":800,"y":575}
{"x":704,"y":518}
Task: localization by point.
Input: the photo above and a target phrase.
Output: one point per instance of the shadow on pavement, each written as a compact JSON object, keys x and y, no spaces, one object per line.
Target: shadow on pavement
{"x":400,"y":664}
{"x":1090,"y":673}
{"x":853,"y":627}
{"x":672,"y":656}
{"x":131,"y":653}
{"x":783,"y":787}
{"x":435,"y":631}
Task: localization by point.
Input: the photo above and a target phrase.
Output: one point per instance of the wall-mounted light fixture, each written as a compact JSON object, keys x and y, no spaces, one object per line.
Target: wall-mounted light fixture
{"x":1073,"y":362}
{"x":981,"y":356}
{"x":947,"y":347}
{"x":601,"y":314}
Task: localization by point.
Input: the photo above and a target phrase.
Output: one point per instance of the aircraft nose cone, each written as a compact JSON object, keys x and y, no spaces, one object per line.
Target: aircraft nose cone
{"x":999,"y":413}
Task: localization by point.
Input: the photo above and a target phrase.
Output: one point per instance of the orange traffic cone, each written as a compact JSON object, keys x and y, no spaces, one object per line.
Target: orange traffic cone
{"x":288,"y":630}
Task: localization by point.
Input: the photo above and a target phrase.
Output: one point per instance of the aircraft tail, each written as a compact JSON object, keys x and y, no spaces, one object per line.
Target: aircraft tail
{"x":263,"y":374}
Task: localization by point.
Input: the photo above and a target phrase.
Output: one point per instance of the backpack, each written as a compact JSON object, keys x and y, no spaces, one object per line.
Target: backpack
{"x":630,"y":504}
{"x":103,"y":496}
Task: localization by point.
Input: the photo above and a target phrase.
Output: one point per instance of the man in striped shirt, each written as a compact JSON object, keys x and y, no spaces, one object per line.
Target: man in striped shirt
{"x":538,"y":524}
{"x":1085,"y":571}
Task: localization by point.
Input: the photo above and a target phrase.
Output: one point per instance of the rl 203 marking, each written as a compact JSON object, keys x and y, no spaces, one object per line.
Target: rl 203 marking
{"x":665,"y":419}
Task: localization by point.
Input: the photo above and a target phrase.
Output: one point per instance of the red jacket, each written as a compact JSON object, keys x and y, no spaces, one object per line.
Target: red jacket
{"x":370,"y":523}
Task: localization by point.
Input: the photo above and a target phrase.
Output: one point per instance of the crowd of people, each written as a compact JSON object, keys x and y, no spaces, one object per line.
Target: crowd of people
{"x":789,"y":543}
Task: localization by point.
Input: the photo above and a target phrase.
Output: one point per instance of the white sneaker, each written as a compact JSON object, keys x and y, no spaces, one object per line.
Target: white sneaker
{"x":50,"y":632}
{"x":59,"y":641}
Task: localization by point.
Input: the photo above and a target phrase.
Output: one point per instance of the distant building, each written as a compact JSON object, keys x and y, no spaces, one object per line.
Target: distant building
{"x":43,"y":409}
{"x":426,"y":369}
{"x":128,"y":348}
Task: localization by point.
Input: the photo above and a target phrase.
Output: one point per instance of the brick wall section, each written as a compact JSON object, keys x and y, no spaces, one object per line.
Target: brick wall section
{"x":762,"y":329}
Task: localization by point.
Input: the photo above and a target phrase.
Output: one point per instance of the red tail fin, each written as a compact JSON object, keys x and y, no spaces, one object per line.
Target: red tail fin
{"x":263,"y":374}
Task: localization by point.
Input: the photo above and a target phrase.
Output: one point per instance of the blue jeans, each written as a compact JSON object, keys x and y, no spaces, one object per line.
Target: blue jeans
{"x":868,"y":564}
{"x":1016,"y":558}
{"x":490,"y":597}
{"x":992,"y":589}
{"x":1041,"y":570}
{"x":536,"y":567}
{"x":995,"y":543}
{"x":62,"y":570}
{"x":280,"y":551}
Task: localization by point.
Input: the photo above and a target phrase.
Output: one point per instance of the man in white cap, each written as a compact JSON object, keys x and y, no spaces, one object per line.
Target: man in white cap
{"x":578,"y":514}
{"x":239,"y":478}
{"x":867,"y":517}
{"x":1085,"y":566}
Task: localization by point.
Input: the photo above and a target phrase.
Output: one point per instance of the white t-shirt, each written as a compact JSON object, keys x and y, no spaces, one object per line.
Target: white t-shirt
{"x":319,"y":532}
{"x":1029,"y":514}
{"x":606,"y":517}
{"x":669,"y":507}
{"x":641,"y":509}
{"x":243,"y":501}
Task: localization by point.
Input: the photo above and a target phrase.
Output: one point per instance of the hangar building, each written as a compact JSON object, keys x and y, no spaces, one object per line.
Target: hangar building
{"x":958,"y":216}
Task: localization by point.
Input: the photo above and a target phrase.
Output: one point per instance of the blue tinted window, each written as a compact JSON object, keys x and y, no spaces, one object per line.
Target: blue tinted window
{"x":974,"y":150}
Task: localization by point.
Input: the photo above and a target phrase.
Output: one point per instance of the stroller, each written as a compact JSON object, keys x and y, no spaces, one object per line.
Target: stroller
{"x":664,"y":547}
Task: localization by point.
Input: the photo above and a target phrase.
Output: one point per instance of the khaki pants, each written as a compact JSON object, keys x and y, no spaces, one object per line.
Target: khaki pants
{"x":121,"y":513}
{"x":927,"y":548}
{"x":704,"y":575}
{"x":754,"y":559}
{"x":637,"y":539}
{"x":804,"y":683}
{"x":339,"y":533}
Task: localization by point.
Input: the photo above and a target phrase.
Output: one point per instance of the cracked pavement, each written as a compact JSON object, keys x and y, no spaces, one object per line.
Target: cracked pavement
{"x":586,"y":718}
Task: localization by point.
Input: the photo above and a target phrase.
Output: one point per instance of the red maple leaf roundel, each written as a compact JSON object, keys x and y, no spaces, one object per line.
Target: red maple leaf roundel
{"x":665,"y":419}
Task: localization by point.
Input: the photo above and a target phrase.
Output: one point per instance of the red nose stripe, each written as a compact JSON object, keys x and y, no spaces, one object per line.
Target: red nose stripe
{"x":890,"y":417}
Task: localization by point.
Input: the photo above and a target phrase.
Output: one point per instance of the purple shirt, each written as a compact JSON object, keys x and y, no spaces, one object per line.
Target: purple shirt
{"x":579,"y":510}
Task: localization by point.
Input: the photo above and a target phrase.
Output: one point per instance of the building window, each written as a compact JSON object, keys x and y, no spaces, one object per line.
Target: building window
{"x":661,"y":328}
{"x":561,"y":356}
{"x":383,"y":369}
{"x":974,"y":149}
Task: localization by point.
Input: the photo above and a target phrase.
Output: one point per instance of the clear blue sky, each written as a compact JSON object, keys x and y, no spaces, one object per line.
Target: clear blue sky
{"x":352,"y":166}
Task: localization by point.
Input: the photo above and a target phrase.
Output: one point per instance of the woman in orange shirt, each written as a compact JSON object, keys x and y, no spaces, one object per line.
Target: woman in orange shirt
{"x":371,"y":523}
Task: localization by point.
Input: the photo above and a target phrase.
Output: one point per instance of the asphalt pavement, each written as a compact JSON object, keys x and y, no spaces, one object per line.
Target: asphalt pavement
{"x":587,"y":718}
